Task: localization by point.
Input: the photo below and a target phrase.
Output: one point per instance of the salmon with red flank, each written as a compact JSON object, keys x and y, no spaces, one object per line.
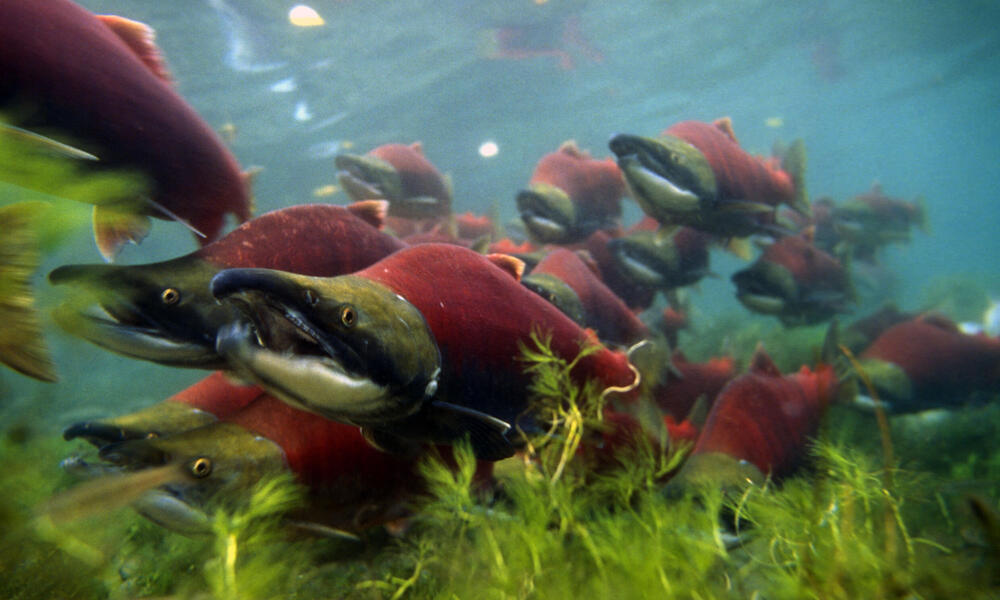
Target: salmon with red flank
{"x":570,"y":196}
{"x":573,"y":283}
{"x":927,"y":362}
{"x":351,"y":485}
{"x":399,"y":173}
{"x":98,"y":84}
{"x":873,"y":219}
{"x":796,"y":282}
{"x":688,"y":382}
{"x":423,"y":346}
{"x":760,"y":425}
{"x":163,"y":312}
{"x":697,"y":174}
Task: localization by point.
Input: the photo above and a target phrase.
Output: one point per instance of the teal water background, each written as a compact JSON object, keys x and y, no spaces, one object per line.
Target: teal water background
{"x":902,"y":93}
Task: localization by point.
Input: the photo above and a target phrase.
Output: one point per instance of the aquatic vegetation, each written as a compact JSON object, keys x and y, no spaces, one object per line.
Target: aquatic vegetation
{"x":736,"y":335}
{"x":837,"y":531}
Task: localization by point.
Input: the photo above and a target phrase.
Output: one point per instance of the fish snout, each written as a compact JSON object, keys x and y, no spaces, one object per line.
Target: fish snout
{"x":624,"y":144}
{"x":232,"y":282}
{"x":134,"y":454}
{"x":100,"y":434}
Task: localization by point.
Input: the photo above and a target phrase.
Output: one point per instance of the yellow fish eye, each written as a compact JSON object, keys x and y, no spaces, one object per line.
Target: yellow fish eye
{"x":170,"y":296}
{"x":201,"y":467}
{"x":348,"y":316}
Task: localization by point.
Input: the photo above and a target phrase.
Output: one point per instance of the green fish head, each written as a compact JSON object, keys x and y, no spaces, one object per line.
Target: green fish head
{"x":647,"y":259}
{"x":343,"y":347}
{"x":221,"y":462}
{"x":158,"y":420}
{"x":891,"y":384}
{"x":548,"y":213}
{"x":366,"y":177}
{"x":669,"y":178}
{"x":558,"y":293}
{"x":767,"y":288}
{"x":161,"y":312}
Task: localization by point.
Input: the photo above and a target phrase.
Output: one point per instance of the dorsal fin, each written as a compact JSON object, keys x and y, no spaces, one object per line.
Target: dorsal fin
{"x":569,"y":147}
{"x":418,"y":148}
{"x":372,"y":212}
{"x":141,"y":40}
{"x":725,"y":125}
{"x":510,"y":264}
{"x":761,"y":363}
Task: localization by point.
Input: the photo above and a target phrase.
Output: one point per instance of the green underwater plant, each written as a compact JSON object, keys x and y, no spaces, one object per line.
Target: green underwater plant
{"x":849,"y":526}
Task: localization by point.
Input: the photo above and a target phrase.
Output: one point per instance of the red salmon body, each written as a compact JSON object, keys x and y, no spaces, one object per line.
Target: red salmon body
{"x":320,"y":240}
{"x":595,"y":186}
{"x":765,"y":418}
{"x":603,"y":310}
{"x":677,"y":395}
{"x":811,"y":268}
{"x":419,"y":177}
{"x":739,"y":176}
{"x":351,"y":484}
{"x":481,"y":316}
{"x":80,"y":81}
{"x":942,"y":363}
{"x":217,"y":394}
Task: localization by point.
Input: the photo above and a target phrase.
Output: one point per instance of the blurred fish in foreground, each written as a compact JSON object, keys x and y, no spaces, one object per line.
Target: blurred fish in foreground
{"x":99,"y":83}
{"x":21,"y":345}
{"x":30,"y":227}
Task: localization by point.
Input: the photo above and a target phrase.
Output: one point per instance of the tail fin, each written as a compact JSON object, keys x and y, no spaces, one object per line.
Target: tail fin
{"x":21,"y":345}
{"x":794,"y":163}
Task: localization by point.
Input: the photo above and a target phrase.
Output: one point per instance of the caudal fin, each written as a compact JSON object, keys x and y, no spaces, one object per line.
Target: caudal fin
{"x":794,"y":163}
{"x":21,"y":345}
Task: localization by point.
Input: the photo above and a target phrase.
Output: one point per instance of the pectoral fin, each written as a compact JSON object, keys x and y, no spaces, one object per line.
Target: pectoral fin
{"x":446,"y":423}
{"x":115,"y":225}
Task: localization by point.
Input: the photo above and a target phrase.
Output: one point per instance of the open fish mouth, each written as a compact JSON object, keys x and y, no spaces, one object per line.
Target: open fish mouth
{"x":165,"y":505}
{"x":547,"y":212}
{"x":758,"y":294}
{"x":641,"y":265}
{"x":367,"y":178}
{"x":110,"y":309}
{"x":309,"y":364}
{"x":128,"y":334}
{"x":655,"y":181}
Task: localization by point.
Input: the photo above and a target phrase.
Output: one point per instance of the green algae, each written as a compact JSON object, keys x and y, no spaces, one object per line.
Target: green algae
{"x":555,"y":528}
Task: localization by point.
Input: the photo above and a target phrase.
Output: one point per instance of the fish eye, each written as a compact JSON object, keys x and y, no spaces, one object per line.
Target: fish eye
{"x":311,"y":298}
{"x":348,"y":316}
{"x":201,"y":467}
{"x":170,"y":296}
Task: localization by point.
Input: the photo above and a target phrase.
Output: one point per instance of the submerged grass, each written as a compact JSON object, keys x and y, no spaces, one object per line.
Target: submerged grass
{"x":555,"y":528}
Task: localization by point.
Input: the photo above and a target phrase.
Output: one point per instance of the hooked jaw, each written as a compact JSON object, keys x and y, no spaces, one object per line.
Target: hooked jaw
{"x":644,"y":260}
{"x":132,"y":313}
{"x":765,"y":288}
{"x":548,"y":213}
{"x":219,"y":461}
{"x":662,"y":181}
{"x":345,"y":348}
{"x":368,"y":177}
